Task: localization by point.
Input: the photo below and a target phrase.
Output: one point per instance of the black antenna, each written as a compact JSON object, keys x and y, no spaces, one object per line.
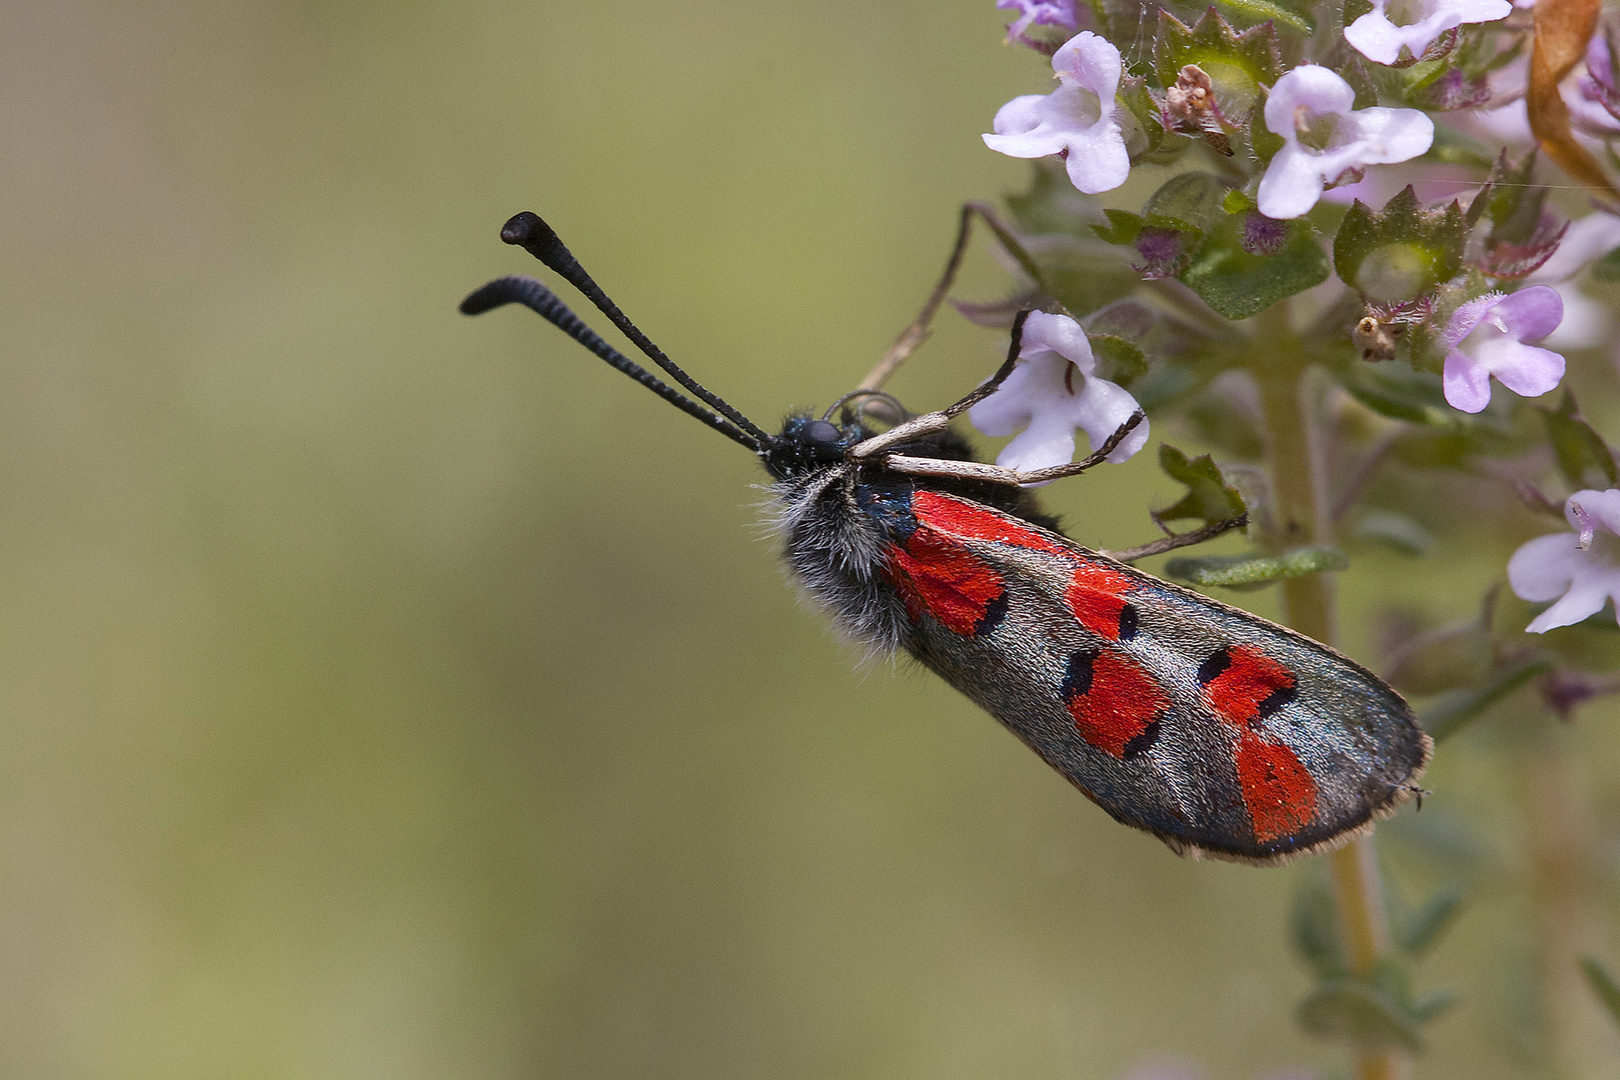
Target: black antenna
{"x":543,"y":302}
{"x":529,"y":232}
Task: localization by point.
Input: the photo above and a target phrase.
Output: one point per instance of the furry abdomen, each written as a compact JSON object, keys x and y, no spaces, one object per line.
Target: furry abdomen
{"x":838,"y":551}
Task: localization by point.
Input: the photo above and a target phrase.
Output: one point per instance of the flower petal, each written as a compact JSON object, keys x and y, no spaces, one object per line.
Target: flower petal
{"x":1466,"y":383}
{"x":1600,"y":506}
{"x":1531,"y":313}
{"x":1311,"y":85}
{"x":1045,"y":332}
{"x":1581,"y":602}
{"x":1091,"y":61}
{"x":1391,"y":135}
{"x":1292,"y":184}
{"x":1527,"y":370}
{"x":1098,"y":160}
{"x":1375,"y":37}
{"x":1543,"y":569}
{"x":1021,"y":130}
{"x":1105,"y":406}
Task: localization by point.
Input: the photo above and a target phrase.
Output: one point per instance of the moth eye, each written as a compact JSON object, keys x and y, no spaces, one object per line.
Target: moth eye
{"x":821,"y":431}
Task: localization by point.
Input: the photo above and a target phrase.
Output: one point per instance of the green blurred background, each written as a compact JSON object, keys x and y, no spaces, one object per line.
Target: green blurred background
{"x":393,"y":695}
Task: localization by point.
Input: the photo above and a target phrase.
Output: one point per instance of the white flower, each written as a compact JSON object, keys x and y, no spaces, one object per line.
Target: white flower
{"x":1488,"y":336}
{"x":1052,"y":391}
{"x":1379,"y":34}
{"x":1324,"y":139}
{"x":1580,"y":570}
{"x":1075,"y":121}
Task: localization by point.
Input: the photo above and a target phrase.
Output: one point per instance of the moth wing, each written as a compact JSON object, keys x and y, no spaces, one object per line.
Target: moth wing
{"x":1216,"y":730}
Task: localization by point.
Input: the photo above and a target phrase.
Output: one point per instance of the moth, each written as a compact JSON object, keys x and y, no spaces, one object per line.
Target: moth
{"x":1217,"y":731}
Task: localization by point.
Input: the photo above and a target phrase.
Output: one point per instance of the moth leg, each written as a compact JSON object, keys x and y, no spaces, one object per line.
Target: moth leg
{"x":928,"y":423}
{"x":1000,"y":474}
{"x":1179,"y":540}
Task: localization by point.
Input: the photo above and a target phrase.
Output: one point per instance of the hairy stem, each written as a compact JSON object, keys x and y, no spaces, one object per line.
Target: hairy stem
{"x":1299,"y":515}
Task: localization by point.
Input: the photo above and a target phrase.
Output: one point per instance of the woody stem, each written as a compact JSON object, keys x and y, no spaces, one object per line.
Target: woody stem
{"x":1299,"y":514}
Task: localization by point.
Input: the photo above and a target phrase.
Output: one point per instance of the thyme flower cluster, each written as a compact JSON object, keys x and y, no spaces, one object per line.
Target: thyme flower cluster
{"x":1382,"y":185}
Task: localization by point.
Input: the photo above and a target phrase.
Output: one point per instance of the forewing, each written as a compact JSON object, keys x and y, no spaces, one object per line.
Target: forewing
{"x":1214,"y":729}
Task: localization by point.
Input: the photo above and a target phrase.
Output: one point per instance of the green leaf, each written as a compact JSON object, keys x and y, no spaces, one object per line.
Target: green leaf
{"x":1603,"y":984}
{"x":1209,"y":497}
{"x":1583,"y":457}
{"x":1238,"y":284}
{"x":1400,"y":252}
{"x":1185,"y":202}
{"x":1396,"y":391}
{"x":1266,"y":10}
{"x":1351,"y":1011}
{"x":1122,"y":228}
{"x":1509,"y":200}
{"x":1235,"y":570}
{"x":1118,"y":360}
{"x":1424,"y":928}
{"x":1454,"y":711}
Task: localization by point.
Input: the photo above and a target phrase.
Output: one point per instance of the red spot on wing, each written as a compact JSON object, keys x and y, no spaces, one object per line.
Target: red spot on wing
{"x":1277,"y":790}
{"x":1097,"y":593}
{"x":958,"y":517}
{"x":1116,"y":704}
{"x":1250,"y":685}
{"x":1096,"y":597}
{"x":934,"y":574}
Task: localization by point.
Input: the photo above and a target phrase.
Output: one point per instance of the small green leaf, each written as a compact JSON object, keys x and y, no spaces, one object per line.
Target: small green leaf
{"x":1397,"y":391}
{"x":1266,"y":10}
{"x":1238,"y":284}
{"x":1351,"y":1011}
{"x":1509,"y":200}
{"x":1209,"y":497}
{"x":1235,"y":570}
{"x":1583,"y":457}
{"x":1118,"y":360}
{"x":1185,"y":202}
{"x":1424,"y":928}
{"x":1122,"y":228}
{"x":1603,"y":984}
{"x":1452,"y":712}
{"x":1400,"y":252}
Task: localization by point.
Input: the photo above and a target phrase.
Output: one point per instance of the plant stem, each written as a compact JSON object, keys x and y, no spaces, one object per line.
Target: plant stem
{"x":1300,"y":514}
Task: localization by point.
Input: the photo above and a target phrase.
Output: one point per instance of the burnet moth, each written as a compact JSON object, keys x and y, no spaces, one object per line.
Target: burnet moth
{"x":1217,"y":731}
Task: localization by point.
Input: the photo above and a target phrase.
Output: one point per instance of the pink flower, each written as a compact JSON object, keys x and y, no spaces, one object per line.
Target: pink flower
{"x":1039,"y":13}
{"x":1379,"y":34}
{"x":1075,"y":121}
{"x":1325,"y":140}
{"x":1053,"y":391}
{"x":1580,"y":570}
{"x":1487,"y":337}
